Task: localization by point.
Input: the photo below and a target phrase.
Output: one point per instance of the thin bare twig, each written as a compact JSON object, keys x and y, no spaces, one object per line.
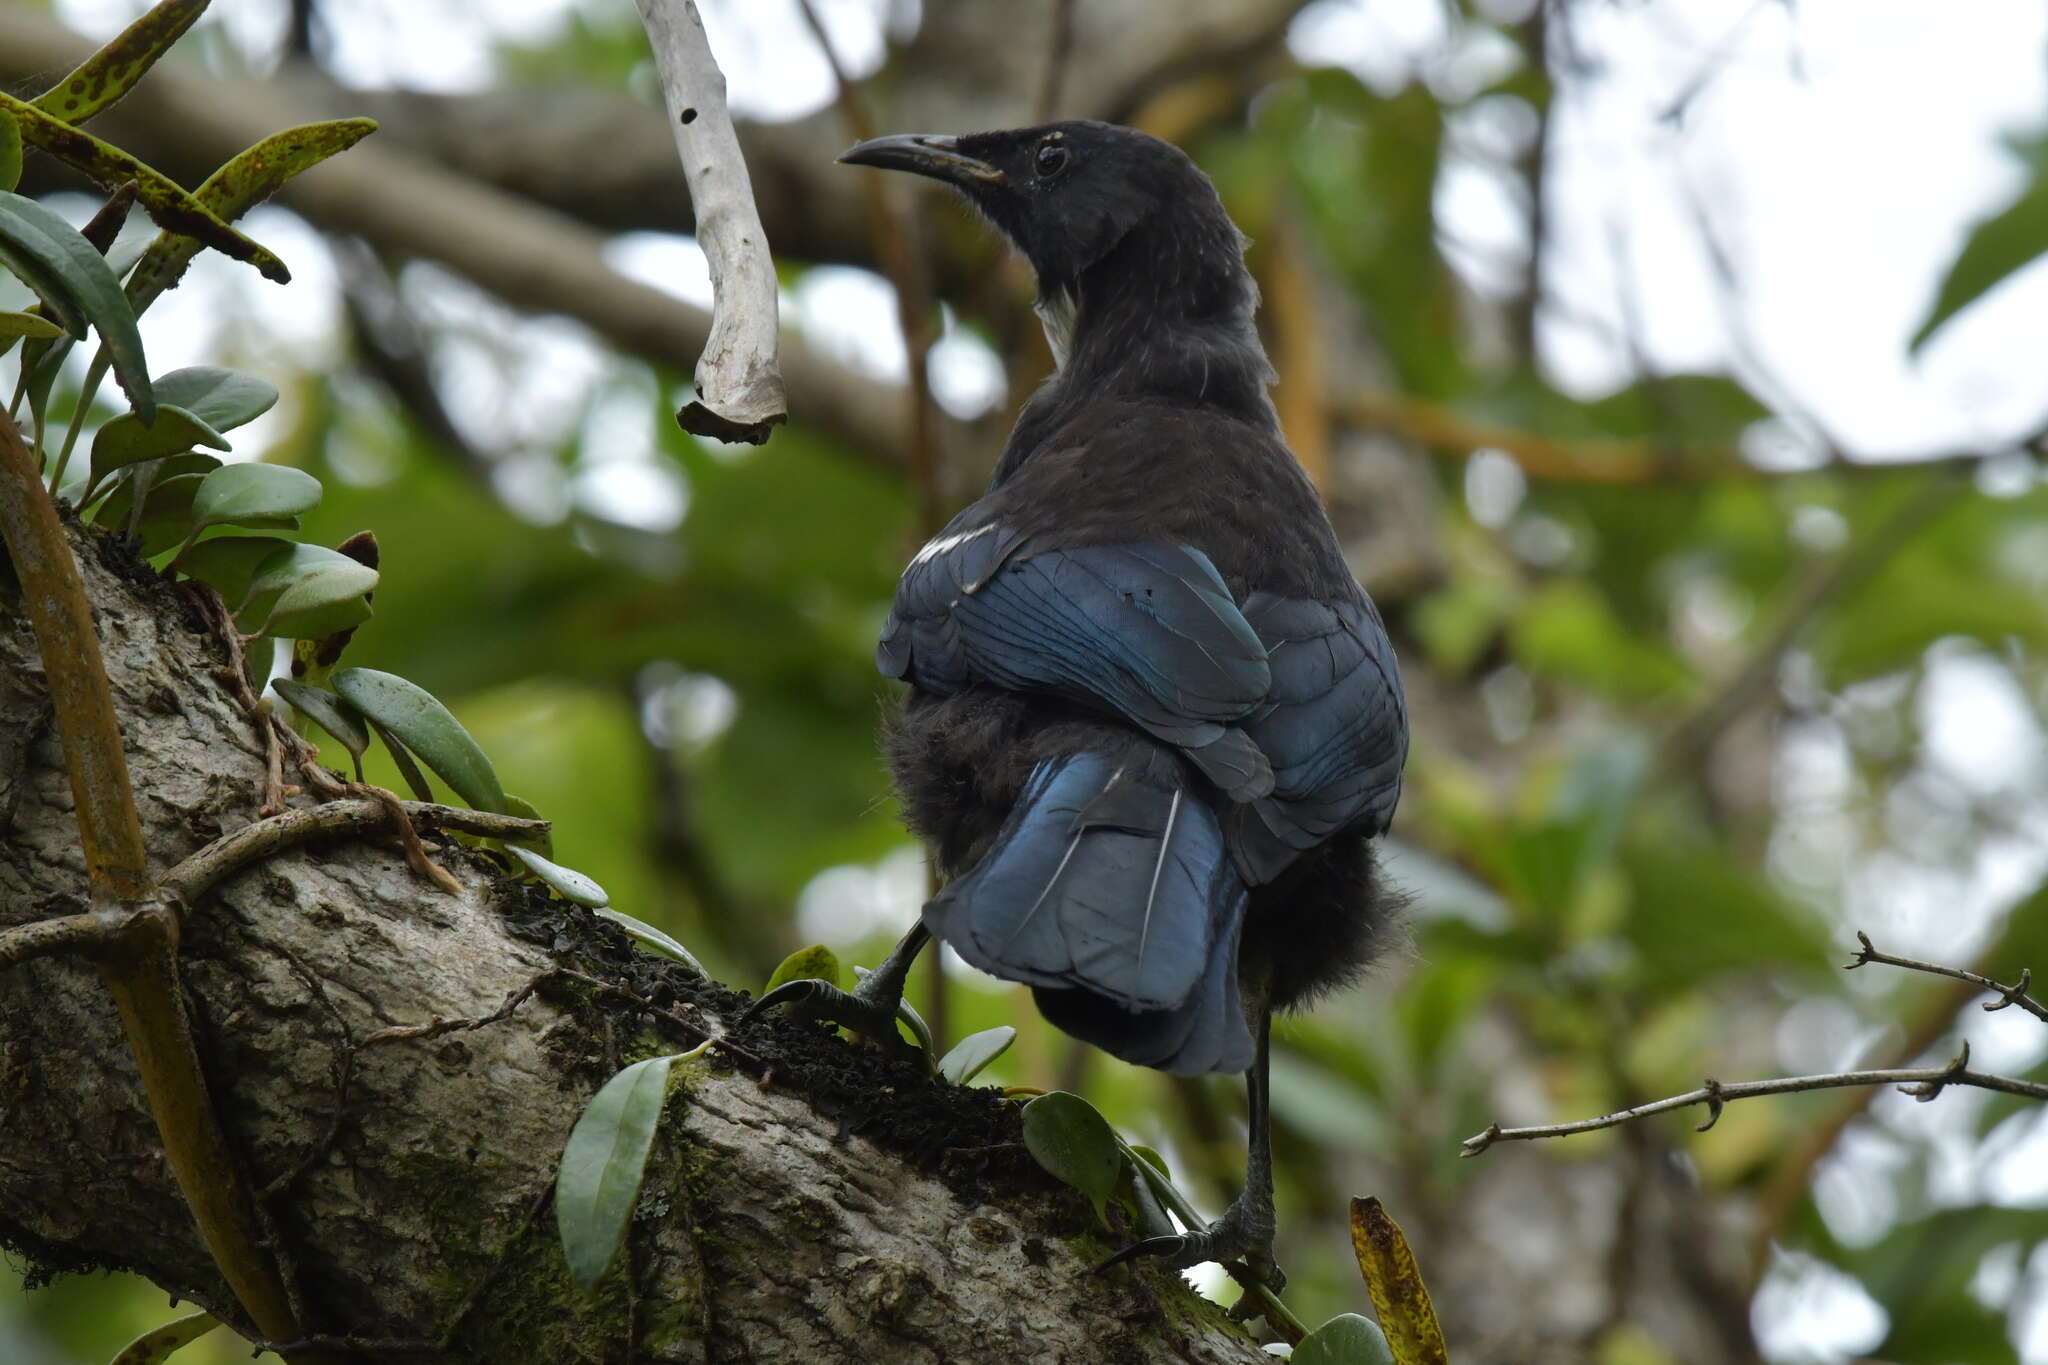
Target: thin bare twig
{"x":2015,"y":994}
{"x":739,"y":380}
{"x":1922,"y":1083}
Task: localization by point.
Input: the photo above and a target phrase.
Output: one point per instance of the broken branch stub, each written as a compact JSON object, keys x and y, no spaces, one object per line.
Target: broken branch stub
{"x":739,"y":385}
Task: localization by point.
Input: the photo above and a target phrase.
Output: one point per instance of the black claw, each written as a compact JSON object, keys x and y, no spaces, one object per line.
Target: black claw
{"x":811,"y":998}
{"x":1168,"y":1246}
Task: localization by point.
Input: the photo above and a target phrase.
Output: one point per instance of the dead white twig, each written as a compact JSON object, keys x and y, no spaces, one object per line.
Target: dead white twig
{"x":739,"y":382}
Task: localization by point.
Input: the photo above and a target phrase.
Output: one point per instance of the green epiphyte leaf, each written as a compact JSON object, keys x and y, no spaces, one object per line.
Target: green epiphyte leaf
{"x":126,"y":440}
{"x":650,"y":937}
{"x":603,"y":1164}
{"x":1075,"y":1144}
{"x":158,"y":1344}
{"x":28,"y":325}
{"x":70,"y":275}
{"x":816,"y":962}
{"x":1347,"y":1339}
{"x":565,"y":882}
{"x":245,"y":181}
{"x":306,"y":591}
{"x":229,"y":563}
{"x":10,"y":152}
{"x":974,"y":1052}
{"x":419,"y":721}
{"x":142,"y":481}
{"x":327,"y":711}
{"x":112,"y":71}
{"x":409,"y":771}
{"x":168,"y":202}
{"x":223,"y":399}
{"x":252,"y":494}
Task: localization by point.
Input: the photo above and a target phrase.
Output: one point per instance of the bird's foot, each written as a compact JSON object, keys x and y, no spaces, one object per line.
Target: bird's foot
{"x":1240,"y":1232}
{"x":867,"y":1009}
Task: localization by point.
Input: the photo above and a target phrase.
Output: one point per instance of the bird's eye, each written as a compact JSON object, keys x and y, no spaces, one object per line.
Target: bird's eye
{"x":1052,"y":159}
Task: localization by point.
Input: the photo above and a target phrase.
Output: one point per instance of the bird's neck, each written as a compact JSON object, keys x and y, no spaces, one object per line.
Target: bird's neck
{"x":1155,"y":320}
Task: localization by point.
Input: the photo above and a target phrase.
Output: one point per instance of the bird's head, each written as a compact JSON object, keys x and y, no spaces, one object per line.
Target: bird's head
{"x":1069,"y":194}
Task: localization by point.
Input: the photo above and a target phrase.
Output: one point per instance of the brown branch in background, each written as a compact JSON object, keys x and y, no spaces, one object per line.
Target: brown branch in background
{"x":1534,"y":37}
{"x":1059,"y":50}
{"x":392,"y":347}
{"x":2015,"y":994}
{"x":1840,"y":577}
{"x":1922,"y":1083}
{"x":1290,"y":290}
{"x":739,"y":380}
{"x":895,"y":231}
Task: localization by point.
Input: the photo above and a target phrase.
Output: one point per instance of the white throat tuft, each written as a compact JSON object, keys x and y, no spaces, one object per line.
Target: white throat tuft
{"x":1056,"y":315}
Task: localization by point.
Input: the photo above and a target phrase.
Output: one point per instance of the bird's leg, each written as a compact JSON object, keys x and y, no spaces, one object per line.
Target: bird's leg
{"x":869,"y":1008}
{"x":1247,"y":1226}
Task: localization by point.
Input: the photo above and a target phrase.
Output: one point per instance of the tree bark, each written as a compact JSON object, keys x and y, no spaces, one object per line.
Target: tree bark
{"x":807,"y":1199}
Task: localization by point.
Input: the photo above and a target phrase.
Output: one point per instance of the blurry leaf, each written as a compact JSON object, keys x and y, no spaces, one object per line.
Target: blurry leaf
{"x":652,"y":937}
{"x":603,"y":1164}
{"x":159,"y":1344}
{"x":426,"y":727}
{"x":112,"y":72}
{"x":1998,"y":247}
{"x":1694,"y":913}
{"x":125,"y":440}
{"x":10,"y":152}
{"x":1075,"y":1144}
{"x":78,"y":278}
{"x":1546,"y":864}
{"x":223,"y":399}
{"x":1347,"y":1339}
{"x":242,"y":494}
{"x":329,"y":712}
{"x":245,"y":181}
{"x":1921,"y":1272}
{"x":1396,"y":1286}
{"x":974,"y":1052}
{"x":815,"y":963}
{"x":566,"y":882}
{"x":28,"y":325}
{"x":167,"y":201}
{"x":1322,"y":1106}
{"x":229,"y":563}
{"x":1565,"y":631}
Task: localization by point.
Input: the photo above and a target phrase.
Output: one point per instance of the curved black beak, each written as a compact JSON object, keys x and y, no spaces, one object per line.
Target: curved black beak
{"x":932,"y":154}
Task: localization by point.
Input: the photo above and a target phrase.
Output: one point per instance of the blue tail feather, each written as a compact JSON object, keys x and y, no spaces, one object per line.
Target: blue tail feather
{"x":1111,"y":891}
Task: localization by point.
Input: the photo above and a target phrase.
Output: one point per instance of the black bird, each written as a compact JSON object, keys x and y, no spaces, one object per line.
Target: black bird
{"x":1154,"y":721}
